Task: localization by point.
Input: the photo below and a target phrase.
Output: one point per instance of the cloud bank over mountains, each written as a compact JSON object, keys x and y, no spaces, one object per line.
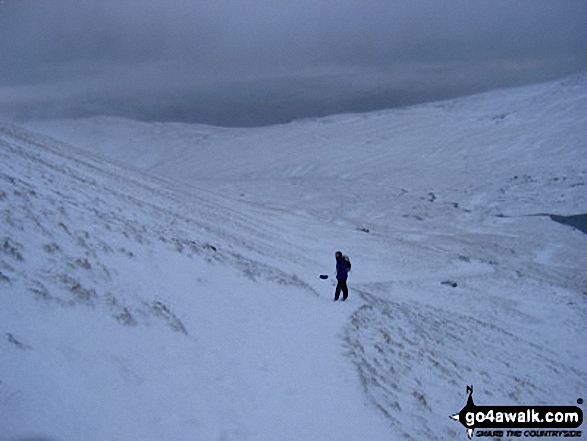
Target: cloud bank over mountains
{"x":260,"y":62}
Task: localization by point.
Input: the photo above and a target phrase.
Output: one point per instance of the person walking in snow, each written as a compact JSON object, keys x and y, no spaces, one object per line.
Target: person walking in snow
{"x":342,"y":269}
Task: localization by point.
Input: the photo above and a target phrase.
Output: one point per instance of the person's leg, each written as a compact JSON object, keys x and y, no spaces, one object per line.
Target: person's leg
{"x":337,"y":291}
{"x":345,"y":290}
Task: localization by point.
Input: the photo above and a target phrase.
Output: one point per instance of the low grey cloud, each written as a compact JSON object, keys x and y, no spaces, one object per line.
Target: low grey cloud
{"x":256,"y":62}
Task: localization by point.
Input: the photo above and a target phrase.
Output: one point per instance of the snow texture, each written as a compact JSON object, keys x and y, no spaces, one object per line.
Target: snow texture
{"x":160,"y":281}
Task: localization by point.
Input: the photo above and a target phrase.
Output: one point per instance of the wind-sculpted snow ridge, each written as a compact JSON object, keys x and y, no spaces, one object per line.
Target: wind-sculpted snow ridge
{"x":48,"y":191}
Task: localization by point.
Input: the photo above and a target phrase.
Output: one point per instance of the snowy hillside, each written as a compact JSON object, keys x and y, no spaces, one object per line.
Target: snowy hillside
{"x":132,"y":310}
{"x":173,"y":293}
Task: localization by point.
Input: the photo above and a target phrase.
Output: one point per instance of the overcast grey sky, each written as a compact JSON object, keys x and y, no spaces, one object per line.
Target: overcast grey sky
{"x":256,"y":62}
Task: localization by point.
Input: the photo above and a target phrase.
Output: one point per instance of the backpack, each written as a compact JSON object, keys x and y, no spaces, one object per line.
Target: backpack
{"x":348,"y":262}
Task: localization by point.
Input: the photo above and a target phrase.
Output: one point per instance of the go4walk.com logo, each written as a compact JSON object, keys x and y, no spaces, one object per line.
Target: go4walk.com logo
{"x":520,"y":421}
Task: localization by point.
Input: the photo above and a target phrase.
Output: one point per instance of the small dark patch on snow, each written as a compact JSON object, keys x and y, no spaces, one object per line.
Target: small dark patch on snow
{"x":51,"y":248}
{"x":450,"y":283}
{"x":121,"y":313}
{"x":12,"y":248}
{"x":4,"y":278}
{"x":431,"y":197}
{"x":127,"y":253}
{"x":523,"y":179}
{"x":162,"y":310}
{"x":421,"y":398}
{"x":414,"y":216}
{"x":178,"y":246}
{"x":40,"y":291}
{"x":193,"y":245}
{"x":83,"y":263}
{"x":64,"y":228}
{"x":363,"y":229}
{"x":81,"y":294}
{"x":16,"y":342}
{"x":124,"y":317}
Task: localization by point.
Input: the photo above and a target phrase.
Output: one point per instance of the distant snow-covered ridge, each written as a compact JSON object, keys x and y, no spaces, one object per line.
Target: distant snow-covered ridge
{"x":499,"y":132}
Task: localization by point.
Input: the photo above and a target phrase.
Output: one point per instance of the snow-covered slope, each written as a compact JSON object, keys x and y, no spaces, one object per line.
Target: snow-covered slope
{"x":478,"y":151}
{"x":133,"y":310}
{"x":511,"y":129}
{"x":187,"y":306}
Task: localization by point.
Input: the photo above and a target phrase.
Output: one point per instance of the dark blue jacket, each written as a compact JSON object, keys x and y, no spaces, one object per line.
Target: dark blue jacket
{"x":341,"y":269}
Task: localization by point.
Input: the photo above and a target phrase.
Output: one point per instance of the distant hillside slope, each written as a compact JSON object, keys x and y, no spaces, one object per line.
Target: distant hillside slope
{"x":495,"y":133}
